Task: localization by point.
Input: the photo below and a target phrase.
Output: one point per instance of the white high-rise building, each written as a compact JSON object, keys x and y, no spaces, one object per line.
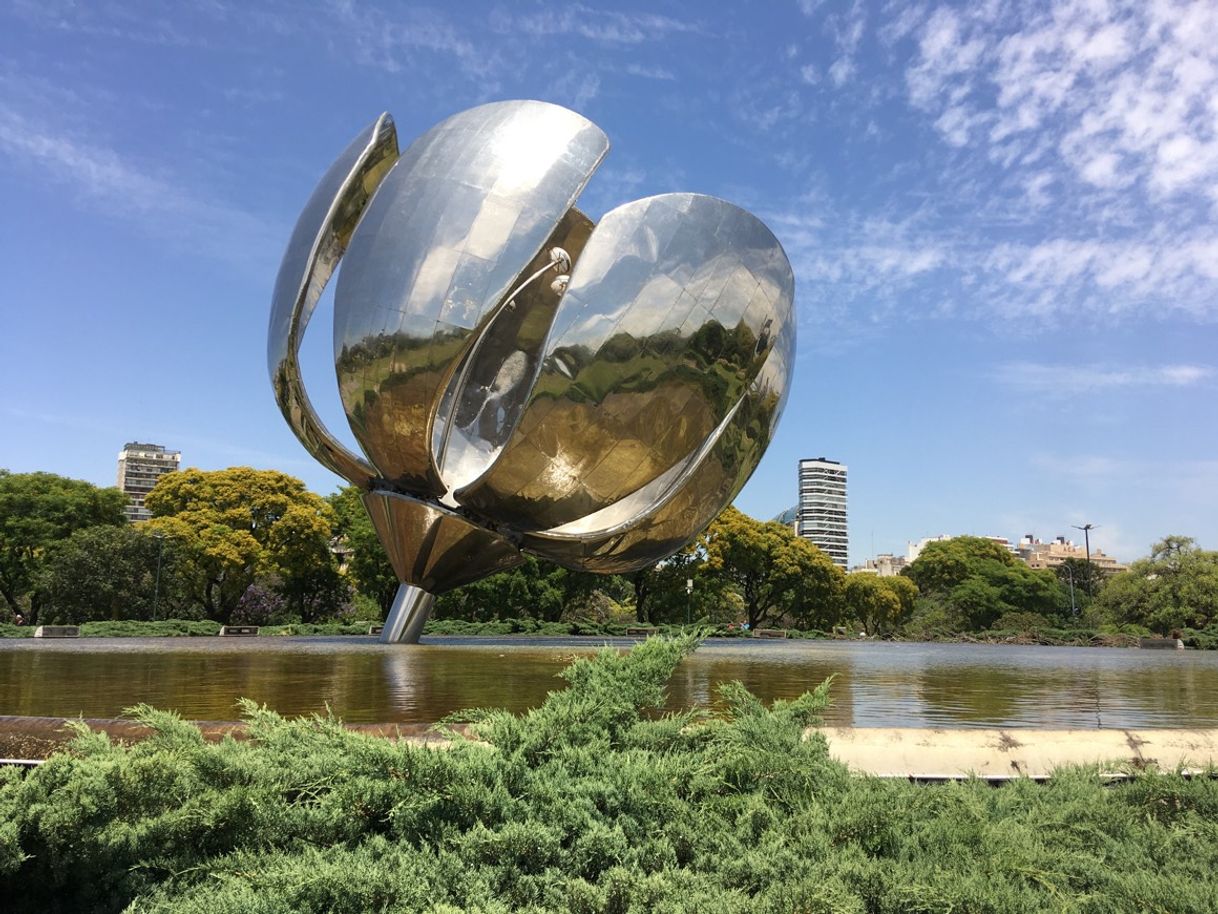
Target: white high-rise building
{"x":139,"y":467}
{"x":822,"y":507}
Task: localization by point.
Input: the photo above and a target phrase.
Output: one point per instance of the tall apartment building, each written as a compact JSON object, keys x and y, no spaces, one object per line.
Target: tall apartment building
{"x":822,"y":507}
{"x":139,"y":467}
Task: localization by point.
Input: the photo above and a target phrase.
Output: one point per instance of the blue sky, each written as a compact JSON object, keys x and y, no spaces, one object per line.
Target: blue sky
{"x":1001,"y":218}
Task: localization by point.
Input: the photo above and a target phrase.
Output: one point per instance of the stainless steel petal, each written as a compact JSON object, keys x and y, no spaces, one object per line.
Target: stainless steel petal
{"x":463,"y":212}
{"x":662,"y":517}
{"x":483,"y":402}
{"x":432,"y":548}
{"x":672,"y":310}
{"x":322,"y":234}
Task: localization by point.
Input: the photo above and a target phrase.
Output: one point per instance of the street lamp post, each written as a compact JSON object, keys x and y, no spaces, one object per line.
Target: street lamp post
{"x":689,"y":597}
{"x":1070,"y":572}
{"x":1087,"y":528}
{"x":156,"y":589}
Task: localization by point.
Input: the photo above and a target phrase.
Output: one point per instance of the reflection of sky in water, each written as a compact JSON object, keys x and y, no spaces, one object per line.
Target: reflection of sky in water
{"x":875,"y":685}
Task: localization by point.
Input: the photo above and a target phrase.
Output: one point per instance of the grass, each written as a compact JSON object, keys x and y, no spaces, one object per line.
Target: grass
{"x":1200,"y":639}
{"x":590,"y":803}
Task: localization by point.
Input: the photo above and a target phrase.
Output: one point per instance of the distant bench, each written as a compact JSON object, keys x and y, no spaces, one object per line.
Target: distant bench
{"x":243,"y":630}
{"x":642,"y":630}
{"x":375,"y":629}
{"x":1161,"y":644}
{"x":770,"y":633}
{"x":57,"y":631}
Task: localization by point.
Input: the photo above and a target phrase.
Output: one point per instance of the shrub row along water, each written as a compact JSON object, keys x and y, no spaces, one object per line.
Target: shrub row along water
{"x":590,"y":803}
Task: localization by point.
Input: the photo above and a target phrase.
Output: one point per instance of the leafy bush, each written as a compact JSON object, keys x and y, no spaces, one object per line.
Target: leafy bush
{"x":589,"y":803}
{"x":317,"y":628}
{"x":164,"y":628}
{"x":1020,"y":622}
{"x":260,"y":605}
{"x":1205,"y":639}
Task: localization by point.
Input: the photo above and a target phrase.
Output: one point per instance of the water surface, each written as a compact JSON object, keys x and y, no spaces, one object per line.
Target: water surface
{"x":361,"y":680}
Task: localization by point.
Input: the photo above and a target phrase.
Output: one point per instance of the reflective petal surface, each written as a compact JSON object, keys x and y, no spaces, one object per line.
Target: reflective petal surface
{"x":322,"y":233}
{"x":671,"y":312}
{"x":449,"y":234}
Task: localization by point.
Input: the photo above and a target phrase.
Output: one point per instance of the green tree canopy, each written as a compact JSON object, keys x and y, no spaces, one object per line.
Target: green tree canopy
{"x":775,"y":571}
{"x":981,"y":580}
{"x":105,"y":572}
{"x":875,"y":606}
{"x":236,"y":524}
{"x":368,"y":565}
{"x":38,"y":509}
{"x":944,"y":564}
{"x":1175,"y":587}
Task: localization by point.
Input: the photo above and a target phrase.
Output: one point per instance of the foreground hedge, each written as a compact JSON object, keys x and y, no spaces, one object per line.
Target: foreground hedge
{"x":587,"y":804}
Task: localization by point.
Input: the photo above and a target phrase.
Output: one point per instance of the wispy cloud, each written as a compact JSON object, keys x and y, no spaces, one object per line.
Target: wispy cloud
{"x":1072,"y":380}
{"x":646,"y":72}
{"x":594,"y":24}
{"x":390,"y":39}
{"x":847,"y":29}
{"x":1125,"y":90}
{"x":137,"y":193}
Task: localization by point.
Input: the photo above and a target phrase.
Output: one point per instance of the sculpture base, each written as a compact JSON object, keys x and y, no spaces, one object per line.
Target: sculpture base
{"x":409,"y":613}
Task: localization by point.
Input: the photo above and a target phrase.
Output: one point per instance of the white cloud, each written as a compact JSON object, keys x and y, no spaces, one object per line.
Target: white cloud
{"x":1129,"y":90}
{"x":155,"y":204}
{"x":645,"y":72}
{"x":847,"y":29}
{"x":1071,"y":380}
{"x":595,"y":24}
{"x":389,"y":41}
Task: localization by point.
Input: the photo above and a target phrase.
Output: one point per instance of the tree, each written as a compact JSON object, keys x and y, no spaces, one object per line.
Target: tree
{"x":235,"y":525}
{"x":945,"y":563}
{"x":531,"y":590}
{"x":980,"y":580}
{"x":775,"y":571}
{"x":110,"y":573}
{"x":1175,"y":587}
{"x":368,"y":565}
{"x":906,"y":593}
{"x":38,"y":509}
{"x":867,"y":599}
{"x":660,"y":591}
{"x":1084,"y":578}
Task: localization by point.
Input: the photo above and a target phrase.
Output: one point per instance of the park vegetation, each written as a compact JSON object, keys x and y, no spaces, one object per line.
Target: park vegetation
{"x":248,"y":546}
{"x":593,"y":802}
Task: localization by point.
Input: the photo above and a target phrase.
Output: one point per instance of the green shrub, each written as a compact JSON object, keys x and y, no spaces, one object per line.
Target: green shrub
{"x":297,"y":629}
{"x":590,"y":803}
{"x":163,"y":628}
{"x":1205,"y":639}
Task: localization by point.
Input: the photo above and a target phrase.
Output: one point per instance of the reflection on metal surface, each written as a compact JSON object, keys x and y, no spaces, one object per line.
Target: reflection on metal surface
{"x":518,"y":377}
{"x":408,"y":614}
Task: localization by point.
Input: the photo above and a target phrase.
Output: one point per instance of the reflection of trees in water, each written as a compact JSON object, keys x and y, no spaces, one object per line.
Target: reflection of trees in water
{"x":976,"y":694}
{"x":778,"y":672}
{"x":1069,"y":695}
{"x":428,"y":683}
{"x":895,"y":686}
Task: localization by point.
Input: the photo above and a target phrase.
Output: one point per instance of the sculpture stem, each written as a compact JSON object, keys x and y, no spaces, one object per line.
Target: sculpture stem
{"x":409,"y":613}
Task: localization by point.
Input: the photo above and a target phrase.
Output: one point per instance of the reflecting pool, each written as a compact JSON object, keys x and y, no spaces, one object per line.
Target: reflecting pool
{"x":361,"y":680}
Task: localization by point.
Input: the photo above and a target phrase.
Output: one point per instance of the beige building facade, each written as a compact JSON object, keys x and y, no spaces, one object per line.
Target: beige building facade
{"x":140,"y":465}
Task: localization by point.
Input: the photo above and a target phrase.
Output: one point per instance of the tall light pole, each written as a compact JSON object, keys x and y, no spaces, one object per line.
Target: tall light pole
{"x":1087,"y":528}
{"x":156,"y":590}
{"x":1070,"y":572}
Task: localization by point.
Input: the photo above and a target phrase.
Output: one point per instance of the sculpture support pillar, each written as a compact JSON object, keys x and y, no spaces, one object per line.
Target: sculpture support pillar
{"x":409,"y":613}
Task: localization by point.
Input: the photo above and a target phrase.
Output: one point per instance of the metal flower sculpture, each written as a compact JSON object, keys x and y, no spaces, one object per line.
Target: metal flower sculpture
{"x":520,"y":379}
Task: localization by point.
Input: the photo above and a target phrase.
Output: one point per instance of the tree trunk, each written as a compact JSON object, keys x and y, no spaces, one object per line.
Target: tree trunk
{"x":641,"y":592}
{"x":10,"y":598}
